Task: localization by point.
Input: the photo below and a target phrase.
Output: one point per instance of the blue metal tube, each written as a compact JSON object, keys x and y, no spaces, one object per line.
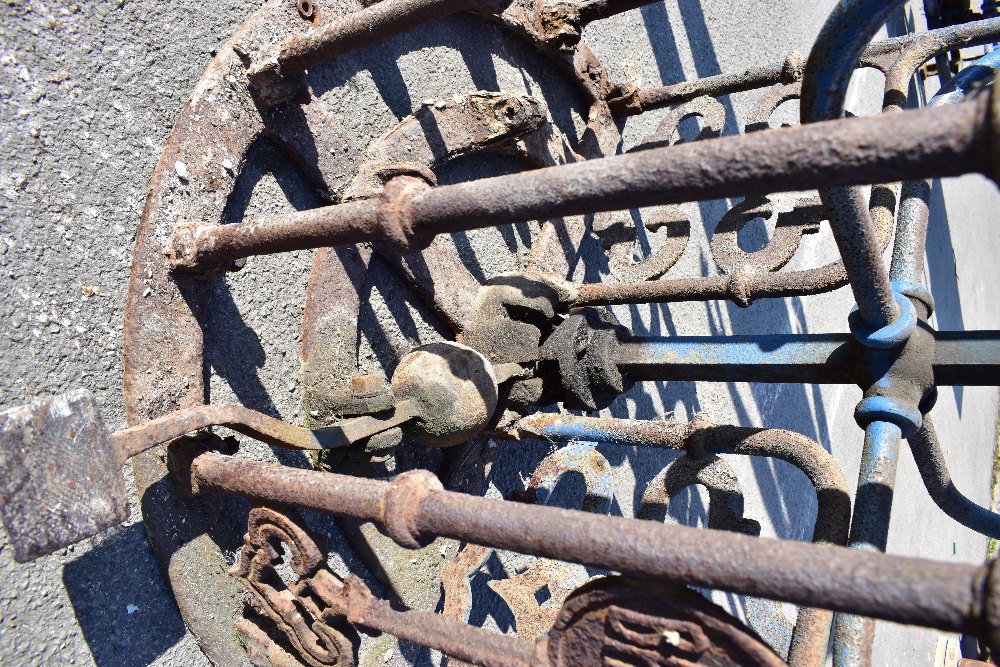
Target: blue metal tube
{"x":971,"y":77}
{"x":907,"y":263}
{"x":853,"y":635}
{"x":911,"y":223}
{"x":835,"y":54}
{"x":876,"y":482}
{"x":829,"y":358}
{"x":969,"y":358}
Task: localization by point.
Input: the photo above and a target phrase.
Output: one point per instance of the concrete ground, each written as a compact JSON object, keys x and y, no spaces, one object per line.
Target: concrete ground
{"x":88,"y":94}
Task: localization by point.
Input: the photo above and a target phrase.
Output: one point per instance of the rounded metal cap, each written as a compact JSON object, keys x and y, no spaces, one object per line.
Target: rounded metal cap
{"x":455,"y":389}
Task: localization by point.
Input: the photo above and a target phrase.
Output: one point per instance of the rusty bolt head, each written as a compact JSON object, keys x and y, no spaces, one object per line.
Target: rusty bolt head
{"x":307,"y":9}
{"x":455,"y":389}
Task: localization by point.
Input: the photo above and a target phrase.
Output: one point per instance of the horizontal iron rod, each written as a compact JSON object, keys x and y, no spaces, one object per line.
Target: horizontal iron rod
{"x":358,"y":29}
{"x":742,"y":291}
{"x":414,"y":508}
{"x":459,"y":641}
{"x":790,"y":70}
{"x":386,"y":18}
{"x":973,"y":33}
{"x":970,"y":358}
{"x":926,"y":143}
{"x":640,"y":100}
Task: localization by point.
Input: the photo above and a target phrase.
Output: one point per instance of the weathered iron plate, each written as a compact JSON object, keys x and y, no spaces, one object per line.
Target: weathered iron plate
{"x":61,"y":480}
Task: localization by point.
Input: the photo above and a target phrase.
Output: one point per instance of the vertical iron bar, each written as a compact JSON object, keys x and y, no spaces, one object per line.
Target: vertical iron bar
{"x":833,"y":58}
{"x":869,"y":532}
{"x":831,"y":63}
{"x":911,"y":224}
{"x":911,"y":232}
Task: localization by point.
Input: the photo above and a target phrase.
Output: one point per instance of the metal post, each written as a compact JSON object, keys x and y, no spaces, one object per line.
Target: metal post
{"x":869,"y":532}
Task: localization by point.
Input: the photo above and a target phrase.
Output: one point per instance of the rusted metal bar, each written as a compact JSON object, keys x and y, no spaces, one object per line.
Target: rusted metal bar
{"x":414,"y":508}
{"x":785,"y":159}
{"x":629,"y":100}
{"x":342,"y":495}
{"x":974,"y":33}
{"x":138,"y":439}
{"x":915,"y":144}
{"x":740,"y":289}
{"x":350,"y":222}
{"x":456,"y":640}
{"x":366,"y":26}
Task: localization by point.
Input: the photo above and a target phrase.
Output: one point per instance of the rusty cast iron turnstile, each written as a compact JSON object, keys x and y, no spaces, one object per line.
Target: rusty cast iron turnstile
{"x":528,"y":340}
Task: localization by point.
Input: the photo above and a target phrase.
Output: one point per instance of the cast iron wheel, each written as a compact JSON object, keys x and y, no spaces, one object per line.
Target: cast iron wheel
{"x":366,"y":306}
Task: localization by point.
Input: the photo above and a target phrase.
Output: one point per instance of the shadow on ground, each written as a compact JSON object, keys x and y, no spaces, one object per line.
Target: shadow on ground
{"x":127,"y":613}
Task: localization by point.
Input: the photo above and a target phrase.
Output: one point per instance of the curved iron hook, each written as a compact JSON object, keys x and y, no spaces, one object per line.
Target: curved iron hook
{"x":934,"y":472}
